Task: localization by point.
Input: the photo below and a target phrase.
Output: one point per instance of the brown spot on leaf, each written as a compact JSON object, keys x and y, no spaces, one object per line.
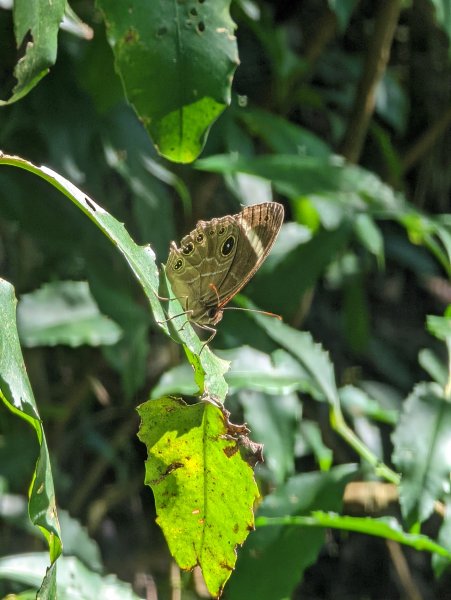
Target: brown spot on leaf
{"x":131,"y":35}
{"x":229,"y":451}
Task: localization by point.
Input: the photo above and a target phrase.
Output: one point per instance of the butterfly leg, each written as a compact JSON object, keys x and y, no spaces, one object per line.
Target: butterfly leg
{"x":185,"y":312}
{"x":213,"y":333}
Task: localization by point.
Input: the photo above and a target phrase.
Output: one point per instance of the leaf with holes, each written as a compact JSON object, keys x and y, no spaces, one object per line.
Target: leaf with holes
{"x":176,"y":61}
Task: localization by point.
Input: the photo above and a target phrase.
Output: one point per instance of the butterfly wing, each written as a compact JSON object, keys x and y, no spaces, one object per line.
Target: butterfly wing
{"x":259,"y":226}
{"x":199,"y":262}
{"x":220,"y":256}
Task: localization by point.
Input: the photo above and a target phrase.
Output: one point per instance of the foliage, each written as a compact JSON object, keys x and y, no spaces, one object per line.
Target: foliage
{"x":323,"y":115}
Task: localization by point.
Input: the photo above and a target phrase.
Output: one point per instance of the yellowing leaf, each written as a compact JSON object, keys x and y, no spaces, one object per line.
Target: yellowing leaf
{"x":204,"y":490}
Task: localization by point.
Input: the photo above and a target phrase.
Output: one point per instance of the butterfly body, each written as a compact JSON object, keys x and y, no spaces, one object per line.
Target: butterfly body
{"x":219,"y":257}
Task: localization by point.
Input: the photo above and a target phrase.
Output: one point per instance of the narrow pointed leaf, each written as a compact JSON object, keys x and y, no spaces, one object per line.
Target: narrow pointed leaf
{"x":16,"y":393}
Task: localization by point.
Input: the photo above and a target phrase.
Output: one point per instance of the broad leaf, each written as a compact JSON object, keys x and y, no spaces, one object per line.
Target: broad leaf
{"x":423,"y":458}
{"x":208,"y":368}
{"x":64,"y":312}
{"x":204,"y":490}
{"x":176,"y":61}
{"x":282,"y":136}
{"x":74,"y":579}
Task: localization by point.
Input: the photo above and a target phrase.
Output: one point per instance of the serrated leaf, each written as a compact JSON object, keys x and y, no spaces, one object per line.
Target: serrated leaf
{"x":204,"y":490}
{"x":250,"y":369}
{"x":313,"y":358}
{"x":16,"y":393}
{"x":176,"y":61}
{"x":64,"y":312}
{"x":41,"y":20}
{"x":423,"y":458}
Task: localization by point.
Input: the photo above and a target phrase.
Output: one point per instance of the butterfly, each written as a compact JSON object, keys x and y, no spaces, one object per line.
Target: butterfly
{"x":218,"y":258}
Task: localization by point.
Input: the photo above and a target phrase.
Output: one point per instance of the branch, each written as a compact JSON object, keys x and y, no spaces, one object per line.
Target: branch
{"x":426,"y":140}
{"x":373,"y":69}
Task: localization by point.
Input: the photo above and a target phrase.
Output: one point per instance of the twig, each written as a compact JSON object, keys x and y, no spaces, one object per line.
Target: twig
{"x":426,"y":141}
{"x":402,"y":569}
{"x":375,"y":63}
{"x":96,"y":471}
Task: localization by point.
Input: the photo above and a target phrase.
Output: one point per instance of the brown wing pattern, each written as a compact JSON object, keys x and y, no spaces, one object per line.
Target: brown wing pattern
{"x":260,"y":225}
{"x":220,"y":256}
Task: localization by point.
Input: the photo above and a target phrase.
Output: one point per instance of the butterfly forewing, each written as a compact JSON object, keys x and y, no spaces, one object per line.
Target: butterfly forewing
{"x":259,"y":226}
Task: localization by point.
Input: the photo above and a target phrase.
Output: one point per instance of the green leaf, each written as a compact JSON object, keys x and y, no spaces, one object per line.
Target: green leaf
{"x":310,"y":433}
{"x":285,"y":552}
{"x":64,"y":312}
{"x":370,"y":236}
{"x":328,"y":180}
{"x":74,"y":579}
{"x":343,"y":10}
{"x":440,"y":327}
{"x":313,"y":358}
{"x":423,"y":458}
{"x":385,"y":527}
{"x":433,"y":366}
{"x":276,"y":373}
{"x":77,"y":542}
{"x":208,"y":368}
{"x":176,"y":61}
{"x":273,"y":421}
{"x":270,"y":290}
{"x":358,"y":403}
{"x":439,"y":562}
{"x":250,"y":369}
{"x":16,"y":393}
{"x":41,"y":20}
{"x":48,"y":588}
{"x":204,"y":490}
{"x":281,"y":136}
{"x":443,"y":16}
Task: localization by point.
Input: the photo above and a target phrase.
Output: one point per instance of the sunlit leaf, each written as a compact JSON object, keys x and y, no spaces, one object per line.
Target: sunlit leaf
{"x":176,"y":62}
{"x":204,"y":490}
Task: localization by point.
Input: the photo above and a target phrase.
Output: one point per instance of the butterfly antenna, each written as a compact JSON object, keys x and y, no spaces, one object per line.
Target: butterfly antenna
{"x":254,"y":310}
